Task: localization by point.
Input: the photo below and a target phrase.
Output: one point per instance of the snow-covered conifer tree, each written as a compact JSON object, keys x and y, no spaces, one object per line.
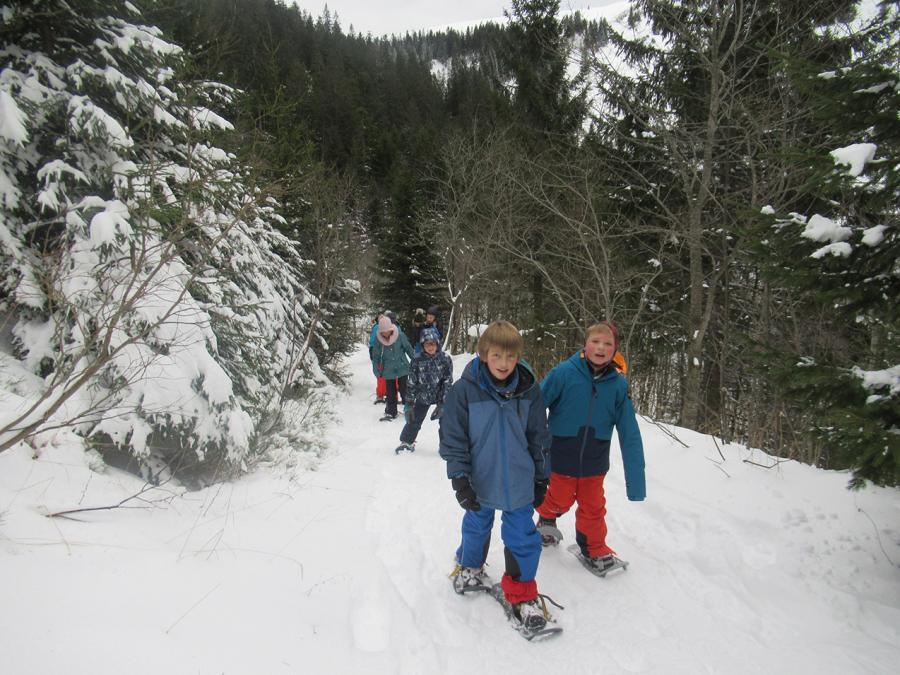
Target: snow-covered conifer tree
{"x":843,"y":253}
{"x":142,"y":276}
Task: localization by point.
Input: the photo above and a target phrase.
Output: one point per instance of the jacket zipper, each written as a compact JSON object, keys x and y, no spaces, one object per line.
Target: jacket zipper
{"x":586,"y":426}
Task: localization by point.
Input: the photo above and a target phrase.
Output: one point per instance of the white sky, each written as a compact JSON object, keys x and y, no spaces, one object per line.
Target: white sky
{"x":398,"y":16}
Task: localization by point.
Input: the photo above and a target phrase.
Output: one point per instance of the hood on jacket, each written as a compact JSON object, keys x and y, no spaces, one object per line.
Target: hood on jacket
{"x":477,"y":371}
{"x":385,"y":325}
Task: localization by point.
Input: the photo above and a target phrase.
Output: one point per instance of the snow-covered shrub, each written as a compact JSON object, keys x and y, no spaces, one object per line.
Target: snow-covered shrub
{"x":141,"y":267}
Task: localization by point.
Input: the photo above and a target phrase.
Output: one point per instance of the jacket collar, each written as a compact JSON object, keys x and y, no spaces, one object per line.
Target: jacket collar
{"x":476,"y":372}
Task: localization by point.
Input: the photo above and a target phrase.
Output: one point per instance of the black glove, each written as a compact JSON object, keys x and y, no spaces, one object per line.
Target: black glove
{"x":540,"y":491}
{"x":438,"y":411}
{"x":465,"y":495}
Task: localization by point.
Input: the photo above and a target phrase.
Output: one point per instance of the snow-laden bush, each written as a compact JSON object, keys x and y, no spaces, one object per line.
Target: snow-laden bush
{"x":145,"y":280}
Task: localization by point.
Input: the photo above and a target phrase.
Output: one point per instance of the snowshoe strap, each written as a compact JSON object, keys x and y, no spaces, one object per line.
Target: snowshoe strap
{"x":544,"y":600}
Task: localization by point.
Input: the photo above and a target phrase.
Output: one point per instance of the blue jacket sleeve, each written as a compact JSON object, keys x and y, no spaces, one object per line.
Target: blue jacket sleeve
{"x":538,"y":437}
{"x":632,"y":448}
{"x":551,"y":387}
{"x":454,"y":433}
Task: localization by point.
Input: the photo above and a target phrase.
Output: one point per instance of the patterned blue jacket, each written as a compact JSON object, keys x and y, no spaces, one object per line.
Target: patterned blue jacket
{"x":499,"y":441}
{"x":583,"y":411}
{"x":430,"y":378}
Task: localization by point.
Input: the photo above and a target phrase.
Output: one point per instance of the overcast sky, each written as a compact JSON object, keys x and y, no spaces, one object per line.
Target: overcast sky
{"x":398,"y":16}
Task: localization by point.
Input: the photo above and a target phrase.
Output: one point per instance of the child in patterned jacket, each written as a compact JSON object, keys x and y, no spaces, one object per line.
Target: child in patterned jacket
{"x":430,"y":377}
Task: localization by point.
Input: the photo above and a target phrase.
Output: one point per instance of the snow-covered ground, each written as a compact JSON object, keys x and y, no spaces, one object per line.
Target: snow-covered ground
{"x":343,"y":568}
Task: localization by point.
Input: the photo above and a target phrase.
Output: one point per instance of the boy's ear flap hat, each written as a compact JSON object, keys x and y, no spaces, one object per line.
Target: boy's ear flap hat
{"x":429,"y":335}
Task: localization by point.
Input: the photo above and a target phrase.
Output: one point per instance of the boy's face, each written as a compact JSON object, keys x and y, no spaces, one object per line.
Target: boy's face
{"x":429,"y":347}
{"x":387,"y":335}
{"x":429,"y":318}
{"x":599,"y":348}
{"x":501,"y":363}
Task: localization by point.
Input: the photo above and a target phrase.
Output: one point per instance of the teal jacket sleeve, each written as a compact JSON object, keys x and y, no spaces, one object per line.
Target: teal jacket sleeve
{"x":632,"y":447}
{"x":404,"y":343}
{"x":551,"y":387}
{"x":539,"y":437}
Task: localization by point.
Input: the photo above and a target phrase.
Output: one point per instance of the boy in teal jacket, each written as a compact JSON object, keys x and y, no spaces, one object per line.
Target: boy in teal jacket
{"x":587,"y":397}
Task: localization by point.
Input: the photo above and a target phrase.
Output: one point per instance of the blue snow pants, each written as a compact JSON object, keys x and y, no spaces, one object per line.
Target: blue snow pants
{"x":519,"y":535}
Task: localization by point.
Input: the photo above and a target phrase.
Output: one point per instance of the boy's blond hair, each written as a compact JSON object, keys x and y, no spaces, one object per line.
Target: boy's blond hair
{"x":502,"y":336}
{"x":604,"y":326}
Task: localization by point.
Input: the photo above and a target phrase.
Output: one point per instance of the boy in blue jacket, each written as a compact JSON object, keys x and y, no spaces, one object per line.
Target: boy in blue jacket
{"x":494,"y":438}
{"x":588,"y":397}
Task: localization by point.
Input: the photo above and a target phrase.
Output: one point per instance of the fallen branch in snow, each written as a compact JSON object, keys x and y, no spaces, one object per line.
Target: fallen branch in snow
{"x":719,"y":465}
{"x":121,"y":504}
{"x":764,"y":466}
{"x":716,"y":443}
{"x":191,"y":608}
{"x":667,"y":432}
{"x":878,"y":536}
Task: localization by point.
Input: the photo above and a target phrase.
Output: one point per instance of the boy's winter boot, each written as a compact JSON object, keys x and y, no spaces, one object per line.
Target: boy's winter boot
{"x":532,"y":614}
{"x":603,"y":563}
{"x":468,"y":579}
{"x":550,"y":534}
{"x":405,"y":447}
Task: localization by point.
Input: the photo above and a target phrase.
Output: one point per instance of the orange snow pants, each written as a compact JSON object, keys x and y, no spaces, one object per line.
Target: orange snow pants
{"x":590,"y":515}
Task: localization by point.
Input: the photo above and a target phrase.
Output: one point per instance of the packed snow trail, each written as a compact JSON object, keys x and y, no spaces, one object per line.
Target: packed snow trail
{"x":341,"y":567}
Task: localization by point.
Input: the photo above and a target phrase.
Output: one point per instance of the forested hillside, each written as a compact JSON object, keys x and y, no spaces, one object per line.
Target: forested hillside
{"x":719,"y":179}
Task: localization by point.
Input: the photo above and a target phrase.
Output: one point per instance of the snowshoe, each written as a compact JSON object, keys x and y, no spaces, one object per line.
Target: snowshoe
{"x":405,"y":447}
{"x":387,"y":417}
{"x":379,"y":400}
{"x":600,"y":565}
{"x":531,"y":619}
{"x":470,"y":579}
{"x":550,"y":534}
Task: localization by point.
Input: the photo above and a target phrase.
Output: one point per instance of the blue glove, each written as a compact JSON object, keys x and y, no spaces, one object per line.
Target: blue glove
{"x":408,"y":413}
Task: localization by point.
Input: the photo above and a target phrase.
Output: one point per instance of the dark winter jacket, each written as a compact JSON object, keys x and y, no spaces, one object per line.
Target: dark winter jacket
{"x":430,"y":378}
{"x":390,"y":361}
{"x":499,"y":442}
{"x":584,"y":408}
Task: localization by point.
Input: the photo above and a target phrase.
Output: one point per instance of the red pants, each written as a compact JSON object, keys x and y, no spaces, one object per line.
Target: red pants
{"x":381,"y":389}
{"x":590,"y":516}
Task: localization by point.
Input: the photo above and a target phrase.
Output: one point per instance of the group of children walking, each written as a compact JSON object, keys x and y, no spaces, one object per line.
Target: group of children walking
{"x":504,"y":454}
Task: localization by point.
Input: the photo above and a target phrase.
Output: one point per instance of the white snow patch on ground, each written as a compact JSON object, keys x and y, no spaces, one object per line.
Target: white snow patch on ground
{"x":343,"y":568}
